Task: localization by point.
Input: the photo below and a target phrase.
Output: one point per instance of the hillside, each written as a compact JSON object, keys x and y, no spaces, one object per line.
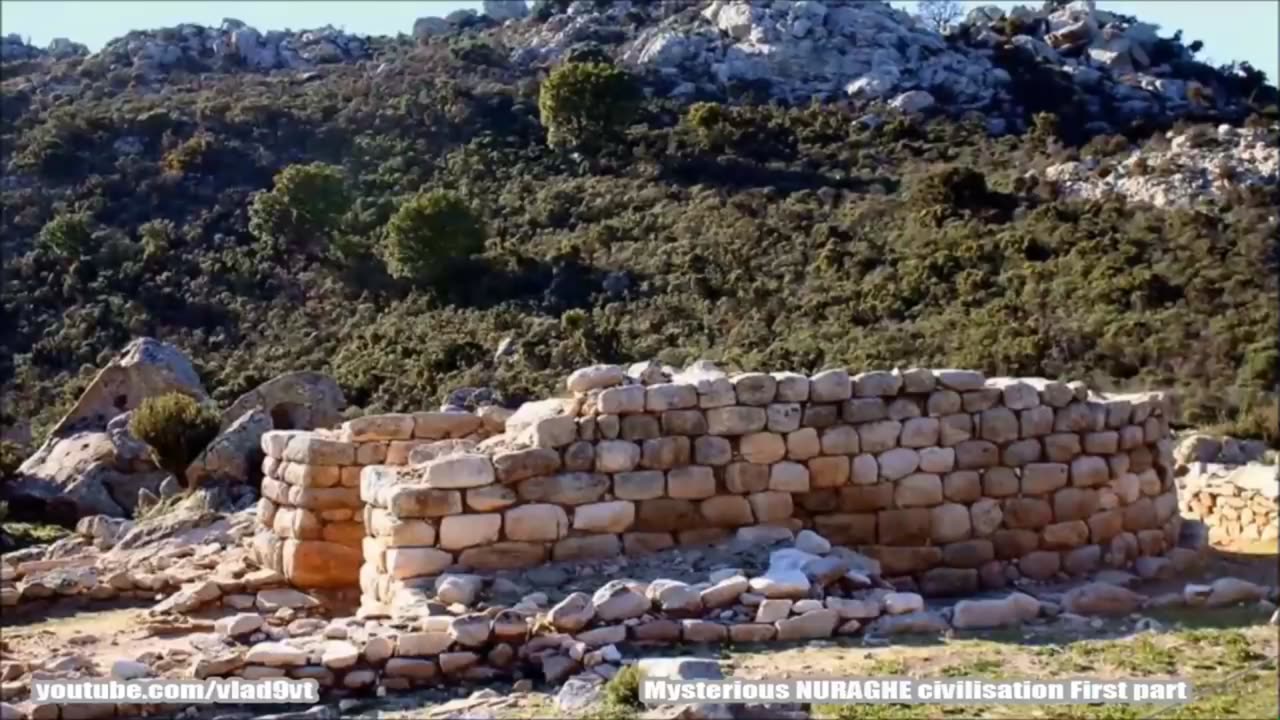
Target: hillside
{"x":803,"y":222}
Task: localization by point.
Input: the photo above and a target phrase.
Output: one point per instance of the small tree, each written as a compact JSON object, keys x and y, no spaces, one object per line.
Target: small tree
{"x":304,"y":209}
{"x":67,"y":235}
{"x":939,"y":14}
{"x":584,"y":105}
{"x":428,"y":235}
{"x":176,"y":428}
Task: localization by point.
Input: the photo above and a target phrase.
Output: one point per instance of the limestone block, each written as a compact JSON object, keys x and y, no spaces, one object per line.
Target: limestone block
{"x":864,"y":470}
{"x":712,"y":450}
{"x":949,"y":522}
{"x":616,"y":456}
{"x":622,"y":400}
{"x":827,"y":472}
{"x":762,"y":447}
{"x":311,"y":449}
{"x":754,"y":388}
{"x":565,"y":488}
{"x":897,"y":463}
{"x":378,"y":427}
{"x":727,"y":510}
{"x":319,"y":564}
{"x":803,"y":444}
{"x":918,"y":490}
{"x":463,"y":531}
{"x":684,"y":422}
{"x":791,"y":387}
{"x":691,"y":482}
{"x":783,"y":417}
{"x":536,"y":522}
{"x":830,"y":386}
{"x":640,"y":485}
{"x":587,"y":547}
{"x":605,"y":517}
{"x":771,"y":506}
{"x":962,"y":486}
{"x":879,"y":436}
{"x":745,"y":477}
{"x":999,"y":425}
{"x":440,"y":425}
{"x":518,"y":465}
{"x":670,"y":396}
{"x":877,"y":383}
{"x":459,"y":471}
{"x":664,"y":453}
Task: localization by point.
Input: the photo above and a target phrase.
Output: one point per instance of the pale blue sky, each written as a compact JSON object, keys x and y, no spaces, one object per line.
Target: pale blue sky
{"x":1231,"y":29}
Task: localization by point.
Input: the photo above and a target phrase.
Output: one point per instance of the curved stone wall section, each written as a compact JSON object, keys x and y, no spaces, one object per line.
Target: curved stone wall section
{"x":956,"y":480}
{"x":311,"y":515}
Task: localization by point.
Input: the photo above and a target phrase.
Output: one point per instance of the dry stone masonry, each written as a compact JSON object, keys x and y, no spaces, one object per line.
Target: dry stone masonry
{"x":1230,"y":486}
{"x":956,"y":481}
{"x":311,"y":511}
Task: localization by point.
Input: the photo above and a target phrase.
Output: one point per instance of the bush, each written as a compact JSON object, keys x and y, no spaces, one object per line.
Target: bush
{"x":11,"y":455}
{"x":176,"y":427}
{"x":303,"y":210}
{"x":584,"y":105}
{"x":624,"y":688}
{"x":67,"y":235}
{"x":429,"y":235}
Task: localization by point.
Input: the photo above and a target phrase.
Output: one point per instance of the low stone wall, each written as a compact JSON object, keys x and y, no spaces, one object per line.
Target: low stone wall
{"x":1236,"y":502}
{"x":310,"y":512}
{"x":952,"y":481}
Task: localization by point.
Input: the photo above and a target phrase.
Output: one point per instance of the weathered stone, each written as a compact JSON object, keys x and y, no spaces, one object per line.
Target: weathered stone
{"x":949,"y":522}
{"x":786,"y":477}
{"x":1101,"y":599}
{"x":667,"y":515}
{"x":564,"y":489}
{"x":726,"y":511}
{"x":691,"y":482}
{"x":670,"y":396}
{"x":946,"y":582}
{"x":828,"y":472}
{"x":504,"y":556}
{"x":536,"y":522}
{"x":898,"y":463}
{"x":606,"y":517}
{"x":621,"y":400}
{"x":771,"y":506}
{"x":1040,"y":564}
{"x":416,"y":561}
{"x":685,"y":422}
{"x":1012,"y":609}
{"x":619,"y":600}
{"x":463,"y":531}
{"x":879,"y":436}
{"x":904,"y":527}
{"x":918,"y":490}
{"x":587,"y":547}
{"x":809,"y":626}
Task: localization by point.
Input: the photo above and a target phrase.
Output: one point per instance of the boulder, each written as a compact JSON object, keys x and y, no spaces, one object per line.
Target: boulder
{"x":1101,"y":599}
{"x":1010,"y":610}
{"x":235,"y":455}
{"x":293,"y":401}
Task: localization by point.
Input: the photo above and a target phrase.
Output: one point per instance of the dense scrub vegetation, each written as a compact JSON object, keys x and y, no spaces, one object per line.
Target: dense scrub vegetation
{"x":275,"y":223}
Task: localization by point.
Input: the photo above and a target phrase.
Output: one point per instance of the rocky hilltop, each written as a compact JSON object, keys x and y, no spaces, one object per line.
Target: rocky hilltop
{"x":1111,"y":70}
{"x":801,"y":184}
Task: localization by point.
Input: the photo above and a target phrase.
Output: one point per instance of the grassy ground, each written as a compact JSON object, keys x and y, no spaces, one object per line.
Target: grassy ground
{"x":1230,"y":658}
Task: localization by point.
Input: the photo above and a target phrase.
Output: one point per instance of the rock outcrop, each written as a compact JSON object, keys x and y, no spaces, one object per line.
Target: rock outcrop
{"x":1189,"y":168}
{"x":293,"y":401}
{"x":91,"y":464}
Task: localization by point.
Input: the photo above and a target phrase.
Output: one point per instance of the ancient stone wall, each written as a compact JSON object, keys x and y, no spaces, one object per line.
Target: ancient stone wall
{"x":1236,"y":502}
{"x":952,"y":479}
{"x":311,"y":515}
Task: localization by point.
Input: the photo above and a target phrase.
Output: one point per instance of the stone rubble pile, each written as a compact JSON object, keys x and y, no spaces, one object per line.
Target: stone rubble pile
{"x":311,"y":508}
{"x":871,"y":51}
{"x":1222,"y":484}
{"x":1195,"y":166}
{"x":112,"y":559}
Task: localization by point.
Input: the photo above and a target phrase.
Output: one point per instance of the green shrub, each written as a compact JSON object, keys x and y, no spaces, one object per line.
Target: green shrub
{"x":303,"y":210}
{"x":11,"y":455}
{"x":585,"y":105}
{"x":429,"y":235}
{"x":68,"y":235}
{"x":623,"y":689}
{"x":176,"y":427}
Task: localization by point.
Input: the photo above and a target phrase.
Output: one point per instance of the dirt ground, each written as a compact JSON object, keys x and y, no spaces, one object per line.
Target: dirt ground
{"x":1230,"y":656}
